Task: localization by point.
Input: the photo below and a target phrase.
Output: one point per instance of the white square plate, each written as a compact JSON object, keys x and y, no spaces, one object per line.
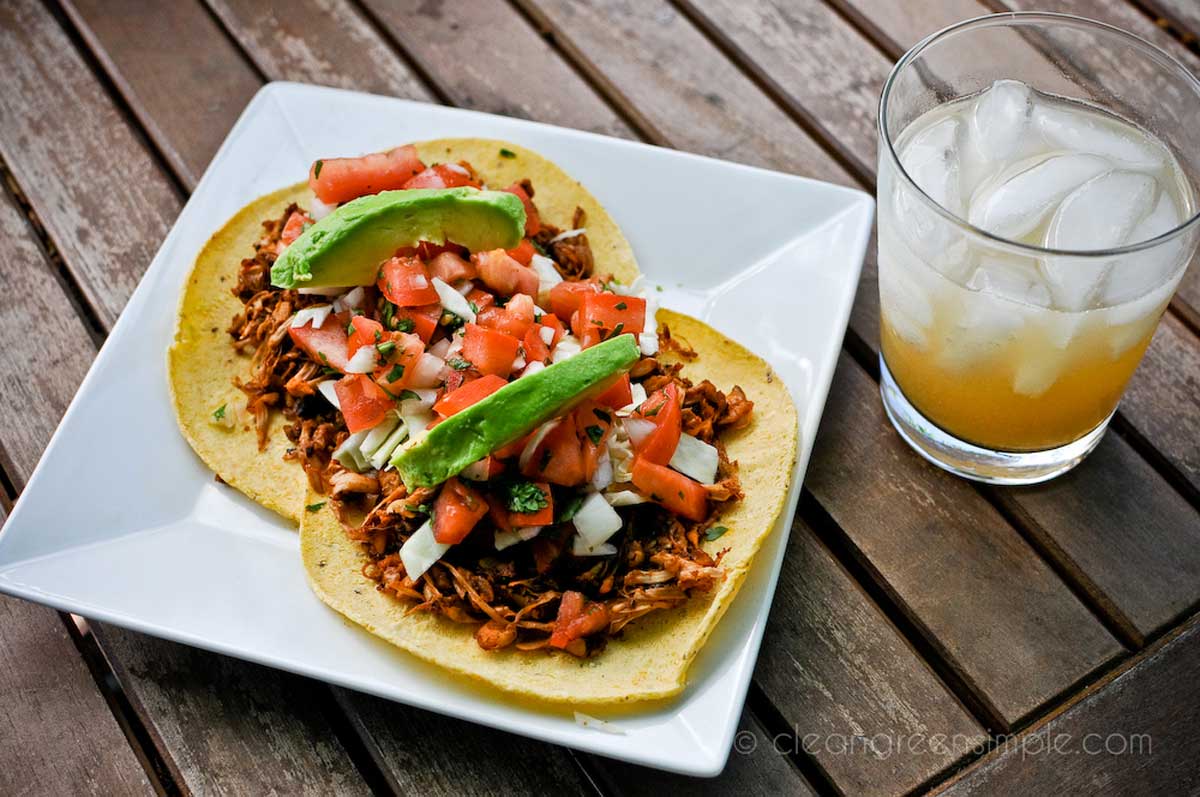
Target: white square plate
{"x":769,"y":259}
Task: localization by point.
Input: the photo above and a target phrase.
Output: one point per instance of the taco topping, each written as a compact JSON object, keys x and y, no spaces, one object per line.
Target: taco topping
{"x":494,"y":425}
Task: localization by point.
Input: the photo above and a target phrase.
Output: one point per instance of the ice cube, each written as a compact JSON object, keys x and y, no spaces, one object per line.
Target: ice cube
{"x":1139,"y":272}
{"x":1012,"y":278}
{"x":1015,"y":205}
{"x":1000,"y":121}
{"x":1084,"y":131}
{"x":1035,"y":373}
{"x":905,"y":304}
{"x":931,"y":160}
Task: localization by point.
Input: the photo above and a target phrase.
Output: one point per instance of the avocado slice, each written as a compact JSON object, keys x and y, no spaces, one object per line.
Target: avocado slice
{"x":510,"y":413}
{"x":346,"y":247}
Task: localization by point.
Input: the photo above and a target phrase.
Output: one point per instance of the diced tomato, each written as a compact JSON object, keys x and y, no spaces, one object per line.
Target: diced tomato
{"x":671,"y":489}
{"x":480,"y":298}
{"x":618,"y":395}
{"x":523,"y":252}
{"x":533,"y":222}
{"x":535,"y":348}
{"x":397,"y":370}
{"x":294,"y":226}
{"x":662,"y":408}
{"x":337,"y":180}
{"x":405,"y":282}
{"x":541,"y":517}
{"x":513,"y":449}
{"x":603,"y":315}
{"x":456,"y":511}
{"x":504,"y":275}
{"x":326,"y":345}
{"x":450,"y":268}
{"x":363,"y":332}
{"x":559,"y":457}
{"x":552,"y":321}
{"x":363,"y":402}
{"x":567,"y":297}
{"x":577,"y":618}
{"x":441,"y":175}
{"x":499,"y":513}
{"x":491,"y":352}
{"x":428,"y":251}
{"x":454,"y":380}
{"x":515,"y":318}
{"x":593,"y":424}
{"x":473,"y":391}
{"x":484,"y":470}
{"x":421,"y":321}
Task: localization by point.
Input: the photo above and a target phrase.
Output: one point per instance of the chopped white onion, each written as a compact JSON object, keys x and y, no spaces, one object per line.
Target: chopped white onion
{"x":586,"y":721}
{"x":519,"y":362}
{"x":335,"y":291}
{"x":316,"y":314}
{"x":351,"y":300}
{"x":533,"y":368}
{"x":634,"y":288}
{"x":696,"y":459}
{"x":426,"y":371}
{"x":548,"y":276}
{"x":546,"y":334}
{"x":421,"y":550}
{"x":441,"y":348}
{"x":453,"y":301}
{"x":604,"y":471}
{"x":477,"y":471}
{"x":425,"y":399}
{"x":464,"y":287}
{"x":638,"y":430}
{"x":562,"y":236}
{"x":567,"y":347}
{"x":535,"y":441}
{"x":648,"y":343}
{"x":596,"y":521}
{"x":380,"y":459}
{"x":348,"y":453}
{"x":621,"y":453}
{"x":624,"y":498}
{"x":318,"y":210}
{"x":417,"y":423}
{"x":581,"y":548}
{"x":379,"y":433}
{"x":507,"y":539}
{"x":364,"y":361}
{"x":327,"y":390}
{"x":639,"y":395}
{"x":454,"y":167}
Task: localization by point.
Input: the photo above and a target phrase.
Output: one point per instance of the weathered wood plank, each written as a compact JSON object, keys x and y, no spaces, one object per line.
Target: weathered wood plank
{"x":180,"y":56}
{"x":318,"y":41}
{"x":1183,"y":14}
{"x":756,"y":766}
{"x":482,"y":55}
{"x":991,"y":571}
{"x":1133,"y":735}
{"x":46,"y":137}
{"x":821,"y":63}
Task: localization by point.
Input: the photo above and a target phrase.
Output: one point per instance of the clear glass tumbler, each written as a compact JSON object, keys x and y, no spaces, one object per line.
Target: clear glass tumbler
{"x":1037,"y":210}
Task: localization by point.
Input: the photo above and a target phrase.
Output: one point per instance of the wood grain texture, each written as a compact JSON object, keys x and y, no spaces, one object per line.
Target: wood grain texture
{"x":1183,"y":14}
{"x":856,"y":697}
{"x":1133,"y":735}
{"x":995,"y":612}
{"x":756,"y":766}
{"x":328,"y":42}
{"x":107,"y":226}
{"x":181,"y":56}
{"x":482,"y":55}
{"x":610,"y":35}
{"x":425,"y":753}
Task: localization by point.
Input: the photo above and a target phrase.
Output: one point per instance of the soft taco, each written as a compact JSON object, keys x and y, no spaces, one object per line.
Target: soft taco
{"x":442,"y":363}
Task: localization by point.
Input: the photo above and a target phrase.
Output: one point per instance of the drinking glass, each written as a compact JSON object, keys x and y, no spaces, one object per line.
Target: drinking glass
{"x":1002,"y":359}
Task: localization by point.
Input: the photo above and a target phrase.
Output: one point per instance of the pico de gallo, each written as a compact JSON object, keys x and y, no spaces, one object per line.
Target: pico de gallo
{"x":556,"y":541}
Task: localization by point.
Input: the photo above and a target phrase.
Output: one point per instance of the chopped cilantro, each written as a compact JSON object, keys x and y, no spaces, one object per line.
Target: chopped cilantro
{"x":595,"y":434}
{"x":715,"y":532}
{"x":570,"y":507}
{"x":652,"y":412}
{"x":458,"y":363}
{"x":379,"y":337}
{"x":327,"y":371}
{"x":385,"y":348}
{"x":622,"y":306}
{"x":395,"y":374}
{"x":541,"y":250}
{"x":617,"y":330}
{"x":350,"y":330}
{"x":388,"y":315}
{"x":317,"y":169}
{"x":602,"y":415}
{"x":404,"y":324}
{"x":658,"y":288}
{"x":450,"y":321}
{"x":504,"y":153}
{"x":324,"y":359}
{"x":219,"y":413}
{"x":545,"y":460}
{"x":474,"y":307}
{"x":524,"y":497}
{"x":422,"y":509}
{"x":406,"y":394}
{"x":317,"y":506}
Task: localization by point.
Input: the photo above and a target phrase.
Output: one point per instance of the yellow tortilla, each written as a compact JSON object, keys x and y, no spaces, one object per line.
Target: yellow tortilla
{"x":202,"y":363}
{"x":651,"y":658}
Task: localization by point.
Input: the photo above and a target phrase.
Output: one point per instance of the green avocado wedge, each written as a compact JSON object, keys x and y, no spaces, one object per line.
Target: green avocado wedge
{"x":511,"y":412}
{"x":346,"y":247}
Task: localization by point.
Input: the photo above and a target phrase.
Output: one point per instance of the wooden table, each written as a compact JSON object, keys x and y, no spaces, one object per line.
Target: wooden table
{"x":928,"y":634}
